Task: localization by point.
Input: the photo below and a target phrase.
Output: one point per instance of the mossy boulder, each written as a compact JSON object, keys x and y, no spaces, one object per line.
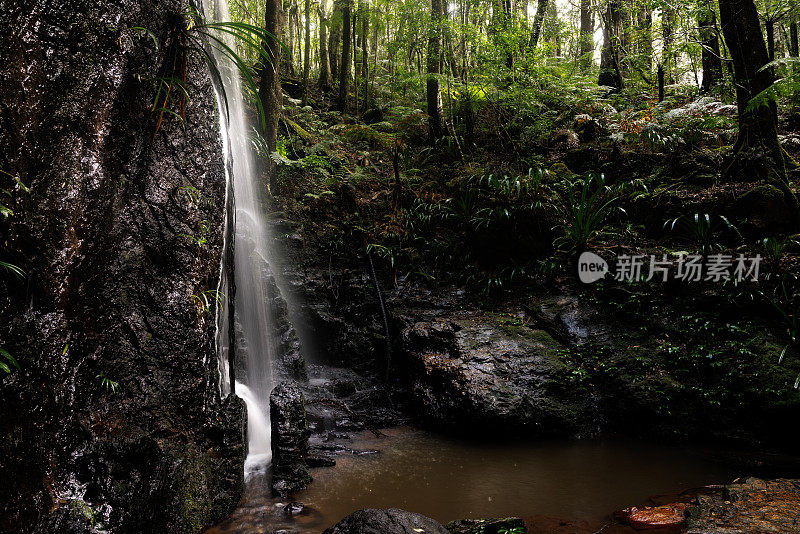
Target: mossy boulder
{"x":491,"y":373}
{"x":764,"y":207}
{"x":558,"y":172}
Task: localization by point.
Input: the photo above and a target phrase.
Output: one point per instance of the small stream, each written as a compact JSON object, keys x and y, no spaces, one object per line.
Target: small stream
{"x":449,"y":479}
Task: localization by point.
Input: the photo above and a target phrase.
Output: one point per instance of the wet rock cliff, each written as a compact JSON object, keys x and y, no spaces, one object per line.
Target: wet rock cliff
{"x":113,"y":420}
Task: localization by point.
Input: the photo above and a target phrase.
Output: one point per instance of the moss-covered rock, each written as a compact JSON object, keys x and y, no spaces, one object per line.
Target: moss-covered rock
{"x":493,"y":372}
{"x":763,"y":206}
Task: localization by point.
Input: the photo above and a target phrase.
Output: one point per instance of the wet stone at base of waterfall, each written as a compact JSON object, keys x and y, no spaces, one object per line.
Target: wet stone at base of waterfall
{"x":391,"y":521}
{"x":290,"y":435}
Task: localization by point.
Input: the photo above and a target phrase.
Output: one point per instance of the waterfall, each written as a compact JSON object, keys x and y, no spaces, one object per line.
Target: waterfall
{"x":253,"y":332}
{"x":258,"y":430}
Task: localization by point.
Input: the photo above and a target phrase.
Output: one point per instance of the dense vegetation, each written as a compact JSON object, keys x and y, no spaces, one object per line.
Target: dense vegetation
{"x":467,"y":151}
{"x":487,"y":144}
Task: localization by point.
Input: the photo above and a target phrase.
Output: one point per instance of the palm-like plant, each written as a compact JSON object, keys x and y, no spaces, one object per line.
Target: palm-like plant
{"x":588,"y":204}
{"x":702,"y":230}
{"x":774,"y":247}
{"x":201,"y":37}
{"x":787,"y":303}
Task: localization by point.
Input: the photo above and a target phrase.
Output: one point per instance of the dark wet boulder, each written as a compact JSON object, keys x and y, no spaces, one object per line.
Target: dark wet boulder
{"x":391,"y":521}
{"x":294,"y":508}
{"x":290,"y":435}
{"x":481,"y":371}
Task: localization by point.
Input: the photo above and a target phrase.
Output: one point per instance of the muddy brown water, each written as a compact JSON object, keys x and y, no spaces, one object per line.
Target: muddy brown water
{"x":449,"y":479}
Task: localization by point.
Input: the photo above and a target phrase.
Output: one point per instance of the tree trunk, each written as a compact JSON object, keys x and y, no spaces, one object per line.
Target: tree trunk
{"x":610,"y":57}
{"x":538,"y":19}
{"x":757,"y":151}
{"x":434,"y":69}
{"x":794,"y":42}
{"x":365,"y":53}
{"x":769,"y":25}
{"x":335,"y":38}
{"x":644,"y":18}
{"x":344,"y":70}
{"x":667,"y":53}
{"x":324,"y":59}
{"x":711,"y":59}
{"x":270,"y":90}
{"x":587,"y":36}
{"x":307,"y":55}
{"x":551,"y":25}
{"x":356,"y":34}
{"x":288,"y":63}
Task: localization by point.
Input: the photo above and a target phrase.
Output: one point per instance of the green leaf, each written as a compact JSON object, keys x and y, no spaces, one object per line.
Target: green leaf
{"x":13,"y":269}
{"x":9,"y":358}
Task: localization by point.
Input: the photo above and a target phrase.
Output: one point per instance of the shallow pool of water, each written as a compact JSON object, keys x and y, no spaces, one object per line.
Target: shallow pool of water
{"x":449,"y":479}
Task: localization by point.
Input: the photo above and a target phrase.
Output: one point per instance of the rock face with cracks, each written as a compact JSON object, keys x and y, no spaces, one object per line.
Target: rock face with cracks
{"x":467,"y":369}
{"x":113,"y":421}
{"x":290,"y":435}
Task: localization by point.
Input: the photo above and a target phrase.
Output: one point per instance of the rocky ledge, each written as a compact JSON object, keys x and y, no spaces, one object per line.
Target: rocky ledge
{"x":748,"y":507}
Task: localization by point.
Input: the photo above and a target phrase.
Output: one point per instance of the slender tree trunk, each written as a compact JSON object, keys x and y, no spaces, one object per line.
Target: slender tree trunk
{"x":289,"y":58}
{"x":299,"y":32}
{"x":365,"y":53}
{"x":587,"y":36}
{"x":794,"y":42}
{"x":324,"y":58}
{"x":710,"y":55}
{"x":358,"y":15}
{"x":757,"y":151}
{"x":667,"y":53}
{"x":610,"y":57}
{"x":307,"y":58}
{"x":538,"y":19}
{"x":645,"y":40}
{"x":270,"y":90}
{"x":433,"y":85}
{"x":551,"y":23}
{"x":344,"y":70}
{"x":335,"y":39}
{"x":769,"y":25}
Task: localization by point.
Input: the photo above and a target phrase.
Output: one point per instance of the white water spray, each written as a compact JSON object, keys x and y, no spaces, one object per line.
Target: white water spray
{"x":253,"y":332}
{"x":259,"y":453}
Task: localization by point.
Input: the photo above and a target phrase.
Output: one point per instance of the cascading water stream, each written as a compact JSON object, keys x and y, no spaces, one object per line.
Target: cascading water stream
{"x":252,"y":333}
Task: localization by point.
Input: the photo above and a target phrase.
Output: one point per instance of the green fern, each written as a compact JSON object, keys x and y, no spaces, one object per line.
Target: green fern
{"x":8,"y":362}
{"x":199,"y":36}
{"x":203,"y":301}
{"x":107,"y":383}
{"x":789,"y":85}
